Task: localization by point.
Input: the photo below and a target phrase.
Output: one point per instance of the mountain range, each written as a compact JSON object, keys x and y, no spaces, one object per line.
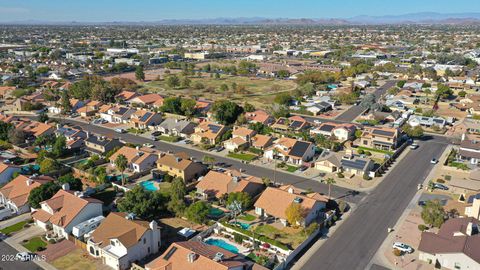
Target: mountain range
{"x":411,"y":18}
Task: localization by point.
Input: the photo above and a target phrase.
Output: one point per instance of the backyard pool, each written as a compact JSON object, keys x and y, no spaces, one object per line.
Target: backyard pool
{"x":149,"y":185}
{"x":242,"y":225}
{"x":221,"y":243}
{"x":215,"y":212}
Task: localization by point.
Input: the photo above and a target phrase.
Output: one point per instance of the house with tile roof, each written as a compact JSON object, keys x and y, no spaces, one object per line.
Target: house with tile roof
{"x":290,"y":150}
{"x":455,"y":246}
{"x":241,"y":138}
{"x":139,"y":160}
{"x":144,"y":119}
{"x":14,"y":195}
{"x":274,"y":202}
{"x":7,"y":171}
{"x":65,"y":210}
{"x":101,"y":145}
{"x":180,"y":165}
{"x":208,"y":132}
{"x":215,"y":184}
{"x":259,"y":116}
{"x":262,"y":142}
{"x":122,"y":239}
{"x":196,"y":255}
{"x":125,"y":96}
{"x":382,"y":138}
{"x":176,"y":127}
{"x":117,"y":114}
{"x":341,"y":132}
{"x":147,"y":100}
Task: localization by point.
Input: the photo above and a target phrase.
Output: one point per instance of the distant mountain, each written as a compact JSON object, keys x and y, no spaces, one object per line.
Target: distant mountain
{"x":412,"y":18}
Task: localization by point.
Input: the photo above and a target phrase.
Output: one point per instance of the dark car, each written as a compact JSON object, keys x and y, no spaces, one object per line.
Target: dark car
{"x":422,"y":203}
{"x":440,"y":186}
{"x":156,"y":133}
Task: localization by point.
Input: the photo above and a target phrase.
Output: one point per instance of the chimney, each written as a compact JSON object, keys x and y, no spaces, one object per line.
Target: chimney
{"x":463,"y":136}
{"x":469,"y":230}
{"x":29,"y":181}
{"x":290,"y":190}
{"x":137,"y":147}
{"x":191,"y":257}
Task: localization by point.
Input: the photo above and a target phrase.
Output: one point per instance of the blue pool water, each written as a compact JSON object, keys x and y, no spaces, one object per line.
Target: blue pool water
{"x":242,"y":225}
{"x":222,"y":244}
{"x":149,"y":185}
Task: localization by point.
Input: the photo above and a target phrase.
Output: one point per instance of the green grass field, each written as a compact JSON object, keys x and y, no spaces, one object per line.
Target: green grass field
{"x":246,"y":157}
{"x":376,"y":150}
{"x":13,"y":228}
{"x":35,"y":243}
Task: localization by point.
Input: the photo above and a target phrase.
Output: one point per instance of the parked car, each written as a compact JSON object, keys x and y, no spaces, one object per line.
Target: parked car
{"x":440,"y":186}
{"x":149,"y":145}
{"x":402,"y":247}
{"x":219,"y":148}
{"x":156,"y":133}
{"x":413,"y":146}
{"x":422,"y":203}
{"x":120,"y":130}
{"x":188,"y":142}
{"x":303,"y":168}
{"x":434,"y":161}
{"x":154,"y":138}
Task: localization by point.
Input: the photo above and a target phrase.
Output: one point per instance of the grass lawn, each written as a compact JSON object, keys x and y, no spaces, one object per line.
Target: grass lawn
{"x":288,"y":235}
{"x":459,"y":165}
{"x":169,"y":138}
{"x":135,"y":131}
{"x":246,"y":157}
{"x":290,"y":168}
{"x":107,"y":196}
{"x":35,"y":243}
{"x":259,"y":91}
{"x":247,"y":217}
{"x":77,"y":260}
{"x":376,"y":150}
{"x":14,"y":228}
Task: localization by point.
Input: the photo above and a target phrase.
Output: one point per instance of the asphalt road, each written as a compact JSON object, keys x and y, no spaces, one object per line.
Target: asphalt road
{"x":356,"y":110}
{"x":355,"y":242}
{"x":8,"y":262}
{"x":281,"y":177}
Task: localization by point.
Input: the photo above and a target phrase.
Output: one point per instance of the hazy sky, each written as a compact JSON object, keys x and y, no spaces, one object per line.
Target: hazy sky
{"x":150,"y":10}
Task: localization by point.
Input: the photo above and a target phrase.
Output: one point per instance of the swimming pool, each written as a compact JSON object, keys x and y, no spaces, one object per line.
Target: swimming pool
{"x":215,"y":212}
{"x":242,"y":225}
{"x":149,"y":185}
{"x":221,"y":243}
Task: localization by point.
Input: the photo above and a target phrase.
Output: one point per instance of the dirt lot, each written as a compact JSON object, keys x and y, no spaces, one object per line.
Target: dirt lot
{"x":79,"y":260}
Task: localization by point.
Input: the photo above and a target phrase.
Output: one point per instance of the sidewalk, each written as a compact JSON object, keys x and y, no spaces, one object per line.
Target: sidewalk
{"x":28,"y":233}
{"x":14,"y":220}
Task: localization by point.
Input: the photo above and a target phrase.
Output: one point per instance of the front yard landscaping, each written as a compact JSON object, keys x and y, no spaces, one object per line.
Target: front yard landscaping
{"x":14,"y":228}
{"x":78,"y":260}
{"x":35,"y":244}
{"x":247,"y":217}
{"x":242,"y":156}
{"x":390,"y":153}
{"x":288,"y":235}
{"x":169,"y":138}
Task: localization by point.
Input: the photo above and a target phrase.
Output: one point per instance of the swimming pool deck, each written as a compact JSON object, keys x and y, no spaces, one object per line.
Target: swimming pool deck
{"x":241,"y":249}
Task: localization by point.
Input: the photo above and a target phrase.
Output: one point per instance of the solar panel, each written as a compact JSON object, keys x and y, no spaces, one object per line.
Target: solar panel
{"x":170,"y":253}
{"x":296,"y":124}
{"x":356,"y":164}
{"x":382,"y":132}
{"x":146,"y":116}
{"x":299,"y":148}
{"x":214,"y":128}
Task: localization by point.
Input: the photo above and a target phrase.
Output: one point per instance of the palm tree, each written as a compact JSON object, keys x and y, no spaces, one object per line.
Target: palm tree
{"x":329,"y":181}
{"x":121,"y":163}
{"x":208,"y":160}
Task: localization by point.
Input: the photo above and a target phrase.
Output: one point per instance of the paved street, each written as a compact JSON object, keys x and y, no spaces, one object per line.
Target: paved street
{"x":8,"y":253}
{"x":356,"y":241}
{"x":285,"y":178}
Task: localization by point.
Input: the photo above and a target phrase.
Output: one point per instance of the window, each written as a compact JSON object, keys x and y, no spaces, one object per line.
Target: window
{"x":170,"y":253}
{"x":457,"y":266}
{"x":145,"y":241}
{"x":148,"y":250}
{"x":92,"y":251}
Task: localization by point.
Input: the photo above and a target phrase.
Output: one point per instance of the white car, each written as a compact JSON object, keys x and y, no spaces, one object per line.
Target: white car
{"x":434,"y":161}
{"x":23,"y":256}
{"x":413,"y":146}
{"x":402,"y":247}
{"x":120,"y":130}
{"x":149,"y":145}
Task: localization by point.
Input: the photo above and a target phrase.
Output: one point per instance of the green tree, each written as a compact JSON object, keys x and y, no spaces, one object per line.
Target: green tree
{"x":249,"y":107}
{"x":145,"y":204}
{"x":283,"y":73}
{"x":283,"y":98}
{"x":65,"y":102}
{"x":42,"y":193}
{"x":226,"y":112}
{"x":48,"y":165}
{"x":178,"y":191}
{"x":188,"y":107}
{"x":121,"y":163}
{"x":59,"y":146}
{"x":198,"y":212}
{"x":433,"y":213}
{"x":173,"y":81}
{"x":413,"y":132}
{"x":139,"y":73}
{"x":330,"y":181}
{"x":224,"y":87}
{"x":185,"y":83}
{"x":73,"y":182}
{"x":241,"y":197}
{"x":16,"y":136}
{"x":209,"y":160}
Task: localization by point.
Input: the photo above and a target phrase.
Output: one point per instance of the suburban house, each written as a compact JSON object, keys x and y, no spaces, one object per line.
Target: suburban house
{"x":14,"y":195}
{"x":291,"y":150}
{"x":176,"y":127}
{"x":138,"y":159}
{"x":125,"y":96}
{"x":469,"y":151}
{"x":262,"y":142}
{"x":328,"y":162}
{"x":100,"y":145}
{"x":416,"y":120}
{"x":7,"y":171}
{"x":473,"y":210}
{"x":196,"y":255}
{"x":295,"y":123}
{"x":455,"y":246}
{"x":380,"y":138}
{"x":341,"y":132}
{"x":216,"y":184}
{"x":75,"y":137}
{"x":208,"y":132}
{"x":241,"y":138}
{"x":274,"y":202}
{"x":117,"y":114}
{"x":65,"y":210}
{"x":121,"y":239}
{"x":259,"y":116}
{"x":147,"y":100}
{"x":90,"y":109}
{"x":355,"y":165}
{"x":180,"y":165}
{"x":32,"y":129}
{"x":471,"y":104}
{"x":320,"y":107}
{"x":143,"y":119}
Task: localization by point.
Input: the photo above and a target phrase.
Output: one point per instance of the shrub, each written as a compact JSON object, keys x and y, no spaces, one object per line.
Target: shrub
{"x":397,"y":252}
{"x":340,"y":175}
{"x":368,"y":153}
{"x":440,"y":180}
{"x":40,"y":248}
{"x":360,"y":151}
{"x":366,"y":177}
{"x":422,"y":227}
{"x":238,"y":238}
{"x":52,"y":241}
{"x":342,"y":206}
